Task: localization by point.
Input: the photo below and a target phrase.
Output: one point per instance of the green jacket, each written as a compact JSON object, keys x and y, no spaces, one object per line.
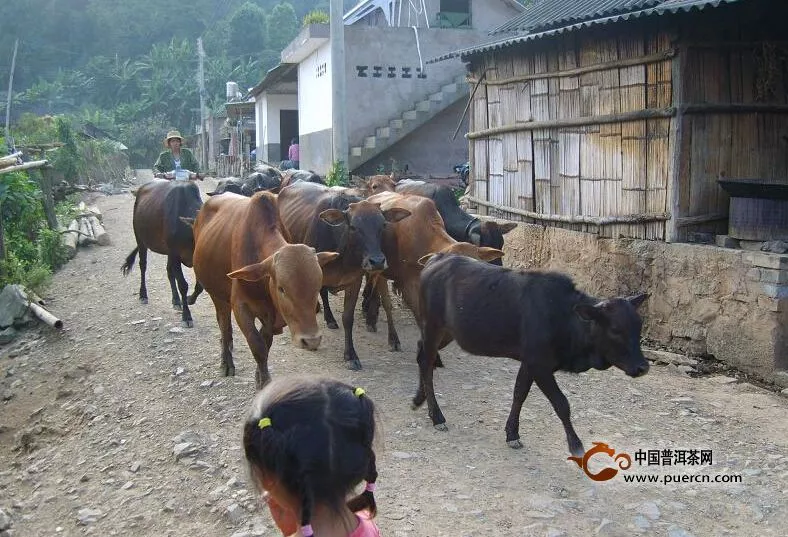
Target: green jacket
{"x":165,"y":162}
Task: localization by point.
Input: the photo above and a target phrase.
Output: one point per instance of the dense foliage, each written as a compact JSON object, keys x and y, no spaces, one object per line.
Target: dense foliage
{"x":130,"y":67}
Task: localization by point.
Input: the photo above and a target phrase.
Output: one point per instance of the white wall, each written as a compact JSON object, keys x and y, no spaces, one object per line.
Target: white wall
{"x":260,"y":118}
{"x":314,"y":91}
{"x":276,"y":103}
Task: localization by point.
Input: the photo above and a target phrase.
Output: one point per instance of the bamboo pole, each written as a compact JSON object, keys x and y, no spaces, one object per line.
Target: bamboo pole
{"x":70,"y":237}
{"x":604,"y":66}
{"x":649,"y":113}
{"x":575,"y":219}
{"x":100,"y":234}
{"x":45,"y":316}
{"x":10,"y":160}
{"x":25,"y":166}
{"x":467,"y":106}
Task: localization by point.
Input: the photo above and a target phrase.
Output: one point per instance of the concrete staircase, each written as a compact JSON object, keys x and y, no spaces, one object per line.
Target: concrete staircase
{"x":399,"y":127}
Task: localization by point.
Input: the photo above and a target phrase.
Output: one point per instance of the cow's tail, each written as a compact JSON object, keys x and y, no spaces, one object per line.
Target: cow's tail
{"x":126,"y":267}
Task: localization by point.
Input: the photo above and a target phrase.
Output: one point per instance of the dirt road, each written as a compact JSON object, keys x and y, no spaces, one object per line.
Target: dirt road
{"x":89,"y":420}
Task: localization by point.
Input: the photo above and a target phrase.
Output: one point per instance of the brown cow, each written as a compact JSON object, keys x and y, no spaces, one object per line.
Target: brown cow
{"x":328,"y":219}
{"x":407,"y":242}
{"x":158,"y":209}
{"x":247,"y":266}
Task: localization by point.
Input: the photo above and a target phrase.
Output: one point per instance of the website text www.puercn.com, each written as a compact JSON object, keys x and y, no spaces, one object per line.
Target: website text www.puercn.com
{"x":681,"y":478}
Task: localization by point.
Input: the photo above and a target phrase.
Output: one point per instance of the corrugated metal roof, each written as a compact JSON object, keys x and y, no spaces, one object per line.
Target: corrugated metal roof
{"x":546,"y":14}
{"x":666,"y":6}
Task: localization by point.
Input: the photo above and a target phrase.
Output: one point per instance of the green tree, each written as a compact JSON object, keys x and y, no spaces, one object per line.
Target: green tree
{"x":283,"y":26}
{"x":246,"y":31}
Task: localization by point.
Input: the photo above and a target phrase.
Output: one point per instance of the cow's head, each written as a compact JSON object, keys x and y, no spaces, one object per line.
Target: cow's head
{"x":490,"y":234}
{"x":615,"y":333}
{"x":364,"y":223}
{"x":380,"y":183}
{"x":294,"y":277}
{"x":482,"y":253}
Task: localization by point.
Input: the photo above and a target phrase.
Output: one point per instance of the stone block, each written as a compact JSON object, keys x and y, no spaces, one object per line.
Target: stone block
{"x":776,"y":305}
{"x":775,"y":290}
{"x":774,"y":276}
{"x":726,"y":241}
{"x":764,"y":260}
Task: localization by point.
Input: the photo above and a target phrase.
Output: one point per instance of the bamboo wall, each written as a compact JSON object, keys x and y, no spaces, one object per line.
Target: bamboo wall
{"x":618,"y":168}
{"x":741,"y":62}
{"x":717,"y":63}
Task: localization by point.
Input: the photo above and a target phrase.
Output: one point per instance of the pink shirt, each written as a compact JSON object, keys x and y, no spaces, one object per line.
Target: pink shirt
{"x":366,"y":527}
{"x":292,"y":153}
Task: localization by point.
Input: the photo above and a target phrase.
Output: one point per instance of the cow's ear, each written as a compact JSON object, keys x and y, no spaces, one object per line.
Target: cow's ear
{"x":395,"y":214}
{"x":589,"y":312}
{"x":507,"y":227}
{"x":188,"y":221}
{"x":323,"y":258}
{"x":489,"y":254}
{"x":255,"y":272}
{"x":637,"y":300}
{"x":423,"y":260}
{"x":335,"y":217}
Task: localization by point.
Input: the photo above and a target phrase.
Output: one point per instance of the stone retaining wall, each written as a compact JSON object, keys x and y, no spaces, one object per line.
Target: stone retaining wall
{"x":704,"y":300}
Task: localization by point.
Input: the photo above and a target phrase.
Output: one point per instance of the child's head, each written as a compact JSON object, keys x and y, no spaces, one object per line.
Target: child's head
{"x":313,"y":438}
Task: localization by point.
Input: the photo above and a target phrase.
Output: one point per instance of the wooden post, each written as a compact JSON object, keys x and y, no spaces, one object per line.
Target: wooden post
{"x":676,"y":142}
{"x":2,"y":237}
{"x":45,"y":182}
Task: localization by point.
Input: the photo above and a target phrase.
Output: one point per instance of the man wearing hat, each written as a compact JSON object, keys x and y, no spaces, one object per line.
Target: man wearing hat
{"x":174,"y":156}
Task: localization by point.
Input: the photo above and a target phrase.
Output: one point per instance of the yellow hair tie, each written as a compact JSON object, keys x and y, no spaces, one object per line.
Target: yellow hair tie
{"x":264,"y":422}
{"x":358,"y":392}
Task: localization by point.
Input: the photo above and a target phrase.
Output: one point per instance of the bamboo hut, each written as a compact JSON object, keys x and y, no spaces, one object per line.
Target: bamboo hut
{"x":618,"y":117}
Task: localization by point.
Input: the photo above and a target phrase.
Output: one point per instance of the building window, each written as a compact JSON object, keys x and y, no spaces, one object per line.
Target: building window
{"x":454,"y":14}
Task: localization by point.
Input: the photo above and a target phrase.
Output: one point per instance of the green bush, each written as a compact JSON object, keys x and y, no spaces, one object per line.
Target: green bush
{"x":35,"y":277}
{"x":316,"y":17}
{"x":51,"y":251}
{"x":338,"y":174}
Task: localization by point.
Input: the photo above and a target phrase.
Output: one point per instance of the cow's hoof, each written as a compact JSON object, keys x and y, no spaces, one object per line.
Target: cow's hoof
{"x":394,"y":346}
{"x":177,"y":307}
{"x":332,"y":325}
{"x":577,"y":450}
{"x":228,"y":371}
{"x":188,"y":324}
{"x":192,"y":300}
{"x":143,"y":300}
{"x":514,"y":444}
{"x":416,"y":403}
{"x":441,"y":427}
{"x":353,"y":365}
{"x":372,"y":328}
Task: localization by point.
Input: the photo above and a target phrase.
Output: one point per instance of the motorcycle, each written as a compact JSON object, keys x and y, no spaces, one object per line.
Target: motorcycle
{"x":463,"y":170}
{"x":179,"y":175}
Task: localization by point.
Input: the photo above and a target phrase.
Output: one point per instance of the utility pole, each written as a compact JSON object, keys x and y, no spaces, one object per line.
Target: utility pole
{"x":338,"y":111}
{"x":203,"y":130}
{"x":10,"y":89}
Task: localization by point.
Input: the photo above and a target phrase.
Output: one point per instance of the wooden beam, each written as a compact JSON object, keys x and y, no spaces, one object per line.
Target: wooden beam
{"x":575,"y":219}
{"x":648,"y":113}
{"x":615,"y":64}
{"x":685,"y":221}
{"x":25,"y":166}
{"x":733,"y":108}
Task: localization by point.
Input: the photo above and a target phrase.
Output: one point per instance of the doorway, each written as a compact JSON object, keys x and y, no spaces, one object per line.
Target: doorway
{"x":288,"y":129}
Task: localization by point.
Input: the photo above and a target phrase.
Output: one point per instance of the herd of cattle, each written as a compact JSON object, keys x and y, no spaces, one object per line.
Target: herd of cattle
{"x":266,"y":247}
